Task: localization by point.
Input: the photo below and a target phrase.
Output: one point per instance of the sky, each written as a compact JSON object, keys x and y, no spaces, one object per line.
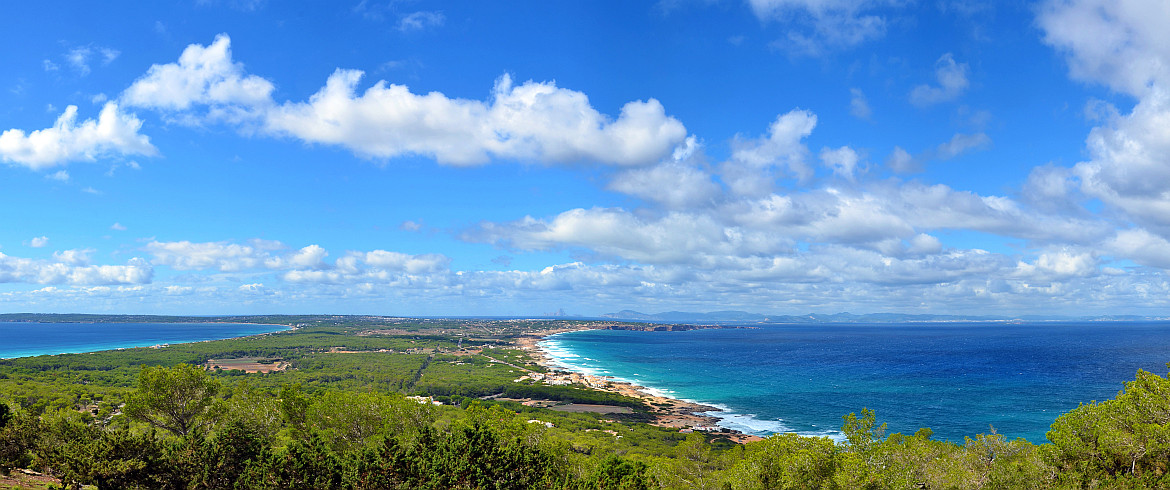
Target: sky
{"x":530,"y":157}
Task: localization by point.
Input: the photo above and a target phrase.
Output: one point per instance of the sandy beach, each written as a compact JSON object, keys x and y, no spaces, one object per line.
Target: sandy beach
{"x":667,"y":412}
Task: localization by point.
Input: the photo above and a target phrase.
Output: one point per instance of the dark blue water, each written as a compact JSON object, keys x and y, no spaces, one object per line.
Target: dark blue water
{"x":22,"y":339}
{"x":957,"y":379}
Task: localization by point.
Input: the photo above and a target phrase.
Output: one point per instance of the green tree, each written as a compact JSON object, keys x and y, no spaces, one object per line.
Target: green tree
{"x":1127,"y":437}
{"x":75,"y":450}
{"x":5,"y":414}
{"x":786,"y":461}
{"x":17,"y":438}
{"x":178,"y":399}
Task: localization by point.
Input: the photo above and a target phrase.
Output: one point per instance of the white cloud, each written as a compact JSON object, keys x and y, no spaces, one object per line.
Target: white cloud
{"x":1059,"y":265}
{"x":305,"y":265}
{"x":59,"y":176}
{"x":924,"y":244}
{"x":222,"y":256}
{"x":79,"y":57}
{"x":72,"y":267}
{"x":418,"y":21}
{"x":818,"y":26}
{"x":670,"y":184}
{"x":532,"y":121}
{"x":675,"y":183}
{"x":113,"y":134}
{"x":1141,"y":246}
{"x":952,"y":82}
{"x":902,"y":162}
{"x":73,"y":257}
{"x":1127,"y":166}
{"x":310,"y":257}
{"x":677,"y":237}
{"x":1052,"y":189}
{"x":843,"y":161}
{"x":1123,"y":44}
{"x":253,"y":288}
{"x":858,"y":104}
{"x":178,"y":290}
{"x":959,"y":144}
{"x":748,"y":172}
{"x":118,"y":227}
{"x":203,"y":76}
{"x":38,"y":242}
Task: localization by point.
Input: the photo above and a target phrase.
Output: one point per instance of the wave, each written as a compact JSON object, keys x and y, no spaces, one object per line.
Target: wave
{"x":563,"y":357}
{"x":750,"y":424}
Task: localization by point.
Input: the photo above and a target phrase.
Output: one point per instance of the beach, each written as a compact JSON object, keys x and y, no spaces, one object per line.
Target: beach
{"x":666,"y":411}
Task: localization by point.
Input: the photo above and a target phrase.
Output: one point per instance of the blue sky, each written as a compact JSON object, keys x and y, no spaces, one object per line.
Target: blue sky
{"x":481,"y":158}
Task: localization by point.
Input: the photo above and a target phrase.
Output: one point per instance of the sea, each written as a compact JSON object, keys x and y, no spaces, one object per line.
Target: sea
{"x":24,"y":339}
{"x":958,"y":379}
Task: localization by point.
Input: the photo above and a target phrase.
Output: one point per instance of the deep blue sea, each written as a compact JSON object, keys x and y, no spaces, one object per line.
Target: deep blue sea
{"x":22,"y":339}
{"x":959,"y":379}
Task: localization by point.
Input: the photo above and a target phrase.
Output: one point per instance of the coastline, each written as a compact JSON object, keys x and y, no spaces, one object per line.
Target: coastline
{"x":124,"y":345}
{"x":666,"y":411}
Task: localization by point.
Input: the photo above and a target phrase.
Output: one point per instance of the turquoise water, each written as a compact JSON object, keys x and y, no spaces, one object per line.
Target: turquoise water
{"x":958,"y":379}
{"x":23,"y":339}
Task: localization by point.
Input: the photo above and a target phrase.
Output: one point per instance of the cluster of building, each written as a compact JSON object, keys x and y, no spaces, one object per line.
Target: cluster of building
{"x":562,"y":378}
{"x":425,"y":400}
{"x":704,"y":428}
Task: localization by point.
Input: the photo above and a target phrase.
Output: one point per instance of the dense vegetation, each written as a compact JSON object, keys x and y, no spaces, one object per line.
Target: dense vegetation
{"x":339,"y":417}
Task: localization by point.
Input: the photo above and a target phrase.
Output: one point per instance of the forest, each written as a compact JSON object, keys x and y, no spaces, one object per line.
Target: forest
{"x":375,"y":402}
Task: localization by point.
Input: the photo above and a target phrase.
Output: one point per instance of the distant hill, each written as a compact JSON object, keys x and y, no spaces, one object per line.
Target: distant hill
{"x":743,"y":316}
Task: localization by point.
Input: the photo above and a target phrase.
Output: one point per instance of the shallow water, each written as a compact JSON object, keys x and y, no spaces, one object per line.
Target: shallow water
{"x":23,"y":339}
{"x":959,"y":379}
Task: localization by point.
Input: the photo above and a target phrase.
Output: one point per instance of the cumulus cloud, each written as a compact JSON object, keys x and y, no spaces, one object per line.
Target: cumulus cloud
{"x":222,"y":256}
{"x":1120,"y":43}
{"x":672,"y":184}
{"x":749,"y":170}
{"x":38,"y":242}
{"x":843,"y":161}
{"x":1059,"y":265}
{"x":1123,"y":46}
{"x":677,"y":237}
{"x":72,"y":267}
{"x":531,"y":121}
{"x":112,"y":134}
{"x":1141,"y":246}
{"x":204,"y":76}
{"x":308,"y":264}
{"x":1127,"y":166}
{"x":952,"y":82}
{"x":676,"y":183}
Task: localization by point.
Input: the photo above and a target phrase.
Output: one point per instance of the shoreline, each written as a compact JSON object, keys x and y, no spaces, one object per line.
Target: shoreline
{"x":286,"y":328}
{"x":667,"y":412}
